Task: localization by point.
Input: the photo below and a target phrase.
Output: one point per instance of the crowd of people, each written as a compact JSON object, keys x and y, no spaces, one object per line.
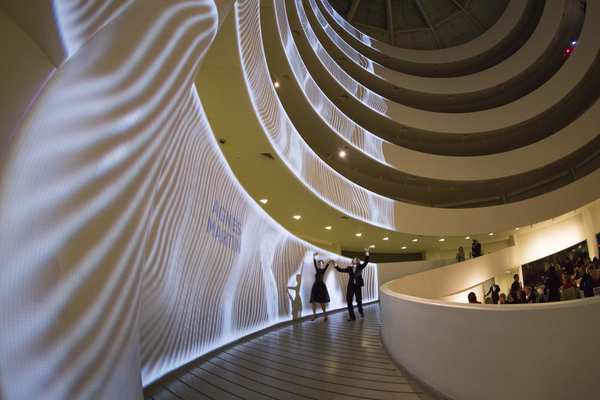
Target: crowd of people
{"x":566,"y":281}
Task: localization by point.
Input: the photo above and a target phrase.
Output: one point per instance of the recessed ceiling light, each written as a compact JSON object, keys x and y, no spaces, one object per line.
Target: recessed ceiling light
{"x":359,"y":234}
{"x":492,"y":234}
{"x":442,"y":239}
{"x":385,"y":238}
{"x":328,"y":228}
{"x":276,"y":84}
{"x":264,"y":201}
{"x":468,"y":237}
{"x":403,"y":247}
{"x":371,"y":246}
{"x":414,"y":240}
{"x":297,"y":216}
{"x":342,"y":153}
{"x":516,"y":229}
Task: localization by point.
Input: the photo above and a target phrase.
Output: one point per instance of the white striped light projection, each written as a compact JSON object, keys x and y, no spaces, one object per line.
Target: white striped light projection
{"x":339,"y":122}
{"x":356,"y":89}
{"x":364,"y":62}
{"x":77,"y":24}
{"x":343,"y":23}
{"x":325,"y":183}
{"x":115,"y":269}
{"x":217,"y":267}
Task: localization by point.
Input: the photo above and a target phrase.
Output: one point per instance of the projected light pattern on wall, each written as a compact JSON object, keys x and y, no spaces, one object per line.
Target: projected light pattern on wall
{"x":327,"y":184}
{"x":77,"y":25}
{"x":348,"y":50}
{"x":128,"y":246}
{"x":343,"y":23}
{"x":198,"y":291}
{"x":365,"y":95}
{"x":337,"y":120}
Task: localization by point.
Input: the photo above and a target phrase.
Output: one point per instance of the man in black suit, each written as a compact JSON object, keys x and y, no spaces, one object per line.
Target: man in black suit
{"x":495,"y":291}
{"x":355,"y":284}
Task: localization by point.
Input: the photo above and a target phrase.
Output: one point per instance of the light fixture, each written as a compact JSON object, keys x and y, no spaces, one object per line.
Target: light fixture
{"x":516,"y":229}
{"x":385,"y":238}
{"x":342,"y":153}
{"x":276,"y":84}
{"x":297,"y":216}
{"x":264,"y":201}
{"x":442,"y":239}
{"x":328,"y":228}
{"x":468,"y":237}
{"x":371,"y":246}
{"x":414,"y":240}
{"x":492,"y":234}
{"x":359,"y":234}
{"x":403,"y":247}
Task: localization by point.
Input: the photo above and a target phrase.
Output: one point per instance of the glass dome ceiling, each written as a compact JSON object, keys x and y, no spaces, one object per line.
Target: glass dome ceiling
{"x":421,"y":24}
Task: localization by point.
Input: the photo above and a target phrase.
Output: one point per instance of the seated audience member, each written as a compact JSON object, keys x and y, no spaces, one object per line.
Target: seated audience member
{"x":473,"y":298}
{"x":568,"y":290}
{"x":502,"y":299}
{"x":512,"y":298}
{"x":552,"y":285}
{"x":590,"y":284}
{"x":488,"y":300}
{"x":584,"y":277}
{"x":522,"y":297}
{"x":530,"y":295}
{"x":568,"y":282}
{"x":577,"y":274}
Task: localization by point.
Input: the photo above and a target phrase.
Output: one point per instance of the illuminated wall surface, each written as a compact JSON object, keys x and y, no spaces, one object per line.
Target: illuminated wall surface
{"x":128,"y":248}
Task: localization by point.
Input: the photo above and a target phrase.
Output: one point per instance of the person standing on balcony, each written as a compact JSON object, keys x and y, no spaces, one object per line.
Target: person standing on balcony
{"x":476,"y":248}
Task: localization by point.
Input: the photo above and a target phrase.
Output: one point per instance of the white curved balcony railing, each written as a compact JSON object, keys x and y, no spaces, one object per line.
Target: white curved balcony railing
{"x":474,"y":351}
{"x":337,"y":121}
{"x":525,"y":109}
{"x":527,"y":56}
{"x":353,"y":200}
{"x":426,"y":165}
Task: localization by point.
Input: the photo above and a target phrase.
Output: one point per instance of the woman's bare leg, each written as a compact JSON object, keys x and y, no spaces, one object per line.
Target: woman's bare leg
{"x":314,"y":307}
{"x":323,"y":307}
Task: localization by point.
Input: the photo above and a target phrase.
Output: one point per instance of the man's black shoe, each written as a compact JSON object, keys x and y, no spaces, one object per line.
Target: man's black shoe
{"x":351,"y":319}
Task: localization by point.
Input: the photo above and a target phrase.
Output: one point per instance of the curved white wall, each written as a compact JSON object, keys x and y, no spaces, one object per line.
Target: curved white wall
{"x":477,"y":351}
{"x":128,"y":247}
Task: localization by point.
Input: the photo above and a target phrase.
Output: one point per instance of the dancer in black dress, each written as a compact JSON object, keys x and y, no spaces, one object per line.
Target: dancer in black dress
{"x":319,"y":293}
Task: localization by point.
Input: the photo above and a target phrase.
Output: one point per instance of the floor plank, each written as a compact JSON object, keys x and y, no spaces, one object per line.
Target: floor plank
{"x":333,"y":360}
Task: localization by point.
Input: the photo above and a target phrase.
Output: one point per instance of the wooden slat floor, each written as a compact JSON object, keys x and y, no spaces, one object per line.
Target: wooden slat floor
{"x":333,"y":359}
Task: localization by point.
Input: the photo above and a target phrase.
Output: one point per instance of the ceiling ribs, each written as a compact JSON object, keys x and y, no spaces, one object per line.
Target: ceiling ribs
{"x":390,"y":21}
{"x":457,"y":4}
{"x":424,"y":15}
{"x":352,"y":11}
